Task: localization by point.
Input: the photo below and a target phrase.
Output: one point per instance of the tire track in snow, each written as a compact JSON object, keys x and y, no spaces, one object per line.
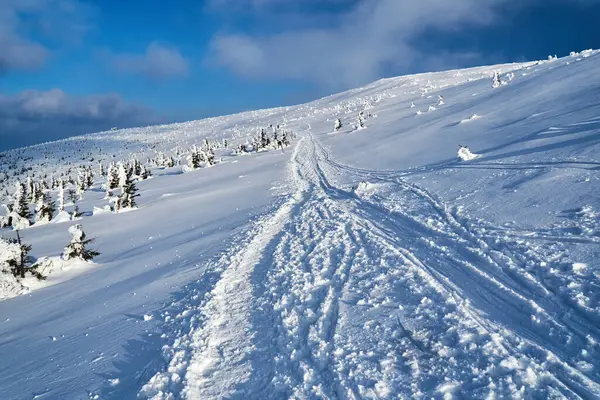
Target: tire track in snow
{"x":213,"y":359}
{"x":340,"y":295}
{"x":574,"y":337}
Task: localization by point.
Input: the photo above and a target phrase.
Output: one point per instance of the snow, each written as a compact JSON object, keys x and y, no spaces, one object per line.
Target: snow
{"x":372,"y":264}
{"x":466,"y":155}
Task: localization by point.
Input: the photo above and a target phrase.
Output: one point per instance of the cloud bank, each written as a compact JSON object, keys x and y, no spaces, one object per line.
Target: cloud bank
{"x":36,"y":116}
{"x":363,"y":42}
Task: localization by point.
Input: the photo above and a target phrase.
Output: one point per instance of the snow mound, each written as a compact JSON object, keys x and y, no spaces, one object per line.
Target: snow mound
{"x":471,"y":118}
{"x":465,"y":154}
{"x":11,"y":287}
{"x":102,"y":210}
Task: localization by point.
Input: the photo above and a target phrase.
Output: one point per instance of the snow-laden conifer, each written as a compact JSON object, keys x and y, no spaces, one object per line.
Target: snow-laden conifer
{"x":496,"y":82}
{"x":77,"y":248}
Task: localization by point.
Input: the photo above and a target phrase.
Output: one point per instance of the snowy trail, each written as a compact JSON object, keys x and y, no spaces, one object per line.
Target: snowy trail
{"x":377,"y":292}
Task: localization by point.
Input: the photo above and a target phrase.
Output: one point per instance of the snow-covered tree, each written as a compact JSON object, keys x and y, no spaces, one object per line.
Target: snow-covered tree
{"x":496,"y":82}
{"x":15,"y":258}
{"x":160,"y":159}
{"x":194,"y":158}
{"x":80,"y":186}
{"x":45,"y":209}
{"x":361,"y":120}
{"x":264,"y":139}
{"x":285,"y":139}
{"x":136,"y":166}
{"x":145,"y":173}
{"x":30,"y":190}
{"x":208,"y":157}
{"x":338,"y":124}
{"x":77,"y":249}
{"x":89,"y":178}
{"x":38,"y":193}
{"x":128,"y":194}
{"x":21,"y":205}
{"x":123,"y":172}
{"x":61,"y":196}
{"x":72,"y":196}
{"x":112,"y":180}
{"x":242,"y":149}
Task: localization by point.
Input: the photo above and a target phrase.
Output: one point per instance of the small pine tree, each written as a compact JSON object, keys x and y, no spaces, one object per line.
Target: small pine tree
{"x":264,"y":139}
{"x":21,"y":205}
{"x":145,"y":173}
{"x":194,"y":158}
{"x":17,"y":258}
{"x":113,"y":177}
{"x":208,"y":157}
{"x":80,"y":186}
{"x":137,"y":167}
{"x":76,"y":212}
{"x":496,"y":80}
{"x":361,"y":120}
{"x":89,"y":178}
{"x":77,"y":249}
{"x":46,"y":209}
{"x":72,"y":196}
{"x":284,"y":139}
{"x":61,"y":196}
{"x":128,"y":194}
{"x":30,"y":190}
{"x":161,"y":160}
{"x":39,"y":194}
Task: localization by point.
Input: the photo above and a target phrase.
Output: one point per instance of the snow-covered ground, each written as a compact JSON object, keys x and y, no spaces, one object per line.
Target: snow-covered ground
{"x":358,"y":263}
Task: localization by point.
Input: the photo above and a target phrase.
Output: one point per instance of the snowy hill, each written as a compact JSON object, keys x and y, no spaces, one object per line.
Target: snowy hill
{"x":364,"y":262}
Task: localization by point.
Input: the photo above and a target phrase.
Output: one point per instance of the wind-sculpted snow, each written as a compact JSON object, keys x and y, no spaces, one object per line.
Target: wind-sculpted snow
{"x":364,"y":262}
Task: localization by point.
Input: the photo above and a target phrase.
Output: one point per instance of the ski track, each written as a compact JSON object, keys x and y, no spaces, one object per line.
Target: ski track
{"x":381,"y":291}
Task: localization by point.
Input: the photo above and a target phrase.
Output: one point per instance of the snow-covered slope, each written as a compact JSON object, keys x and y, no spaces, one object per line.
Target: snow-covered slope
{"x":360,"y":263}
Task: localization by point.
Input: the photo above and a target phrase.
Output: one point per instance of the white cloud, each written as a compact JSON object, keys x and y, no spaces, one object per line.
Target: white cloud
{"x":370,"y":36}
{"x":160,"y":61}
{"x":23,"y":22}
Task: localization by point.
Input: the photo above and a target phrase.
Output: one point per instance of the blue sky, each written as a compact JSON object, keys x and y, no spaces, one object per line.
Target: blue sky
{"x":76,"y":66}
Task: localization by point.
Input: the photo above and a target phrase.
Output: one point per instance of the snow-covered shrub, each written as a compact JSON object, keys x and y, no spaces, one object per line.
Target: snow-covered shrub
{"x":77,"y":249}
{"x":465,"y":154}
{"x":338,"y":124}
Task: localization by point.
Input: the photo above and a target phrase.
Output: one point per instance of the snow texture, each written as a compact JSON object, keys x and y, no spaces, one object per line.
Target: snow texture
{"x":374,"y":265}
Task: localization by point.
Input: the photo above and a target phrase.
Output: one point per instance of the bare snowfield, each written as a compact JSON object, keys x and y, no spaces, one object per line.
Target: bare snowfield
{"x":360,"y":264}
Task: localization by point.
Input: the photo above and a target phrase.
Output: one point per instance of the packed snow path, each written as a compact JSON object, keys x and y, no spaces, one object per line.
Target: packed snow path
{"x":377,"y":291}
